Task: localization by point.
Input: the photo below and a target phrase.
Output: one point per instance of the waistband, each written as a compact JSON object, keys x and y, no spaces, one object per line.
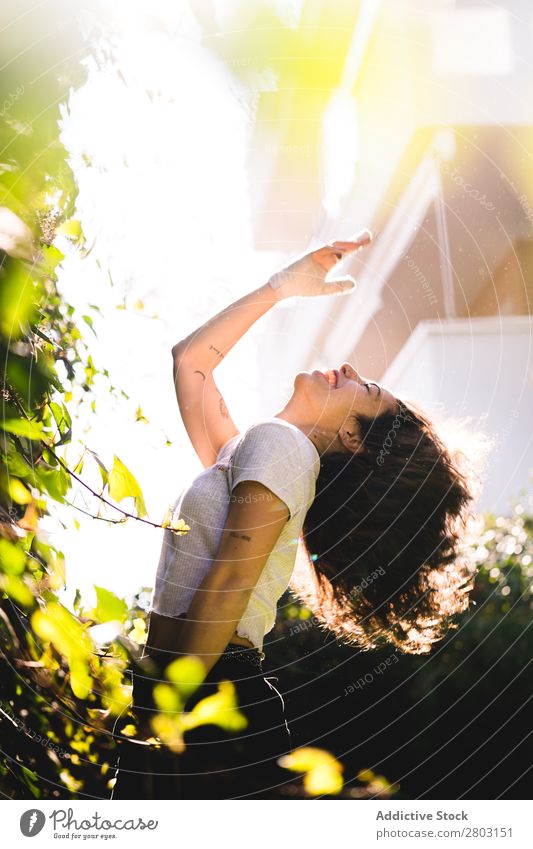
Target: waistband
{"x":234,"y":651}
{"x":143,"y":681}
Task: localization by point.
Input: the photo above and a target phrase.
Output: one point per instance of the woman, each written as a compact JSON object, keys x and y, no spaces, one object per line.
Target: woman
{"x":365,"y":483}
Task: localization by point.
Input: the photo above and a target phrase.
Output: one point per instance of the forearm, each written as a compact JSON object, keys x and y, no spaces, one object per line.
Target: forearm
{"x":211,"y":621}
{"x":209,"y":344}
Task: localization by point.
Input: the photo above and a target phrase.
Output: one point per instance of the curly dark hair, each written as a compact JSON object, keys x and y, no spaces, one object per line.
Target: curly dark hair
{"x":382,"y":537}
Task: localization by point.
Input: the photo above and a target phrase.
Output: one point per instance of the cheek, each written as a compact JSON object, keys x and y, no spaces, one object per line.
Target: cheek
{"x":352,"y":400}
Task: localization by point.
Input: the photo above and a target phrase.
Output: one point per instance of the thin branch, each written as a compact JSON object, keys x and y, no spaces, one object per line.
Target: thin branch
{"x":92,"y":516}
{"x":97,"y":495}
{"x":101,"y":498}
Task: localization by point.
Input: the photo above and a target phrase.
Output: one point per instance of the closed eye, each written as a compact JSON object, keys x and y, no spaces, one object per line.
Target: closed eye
{"x":371,"y":383}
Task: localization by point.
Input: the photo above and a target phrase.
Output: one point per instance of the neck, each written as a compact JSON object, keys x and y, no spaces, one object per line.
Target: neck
{"x":324,"y":439}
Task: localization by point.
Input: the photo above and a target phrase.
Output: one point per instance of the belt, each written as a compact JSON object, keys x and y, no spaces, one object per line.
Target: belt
{"x":234,"y":651}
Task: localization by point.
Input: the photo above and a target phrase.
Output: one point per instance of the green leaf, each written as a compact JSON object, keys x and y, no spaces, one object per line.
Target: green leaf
{"x":52,"y":256}
{"x":178,"y":526}
{"x":12,"y":558}
{"x":71,"y":228}
{"x":122,"y":484}
{"x":138,"y":632}
{"x":322,"y":772}
{"x":219,"y":709}
{"x":63,"y":421}
{"x":16,"y":589}
{"x":30,"y":779}
{"x":57,"y":625}
{"x":26,"y":376}
{"x":187,"y":673}
{"x":23,"y":427}
{"x":56,"y":482}
{"x":19,"y":296}
{"x":61,"y":416}
{"x":167,"y":698}
{"x":109,"y":607}
{"x":89,"y":322}
{"x":17,"y":491}
{"x":103,"y":471}
{"x":17,"y":465}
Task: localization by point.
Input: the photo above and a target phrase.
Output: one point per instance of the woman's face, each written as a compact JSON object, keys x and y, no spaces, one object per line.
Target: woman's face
{"x":332,"y":397}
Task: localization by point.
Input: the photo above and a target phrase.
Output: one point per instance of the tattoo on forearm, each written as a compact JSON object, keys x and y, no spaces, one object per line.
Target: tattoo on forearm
{"x":219,"y":353}
{"x":197,"y":371}
{"x":240,"y":536}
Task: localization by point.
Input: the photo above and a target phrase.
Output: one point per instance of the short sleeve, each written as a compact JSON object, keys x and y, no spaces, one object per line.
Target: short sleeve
{"x":270,"y":454}
{"x":227,"y":447}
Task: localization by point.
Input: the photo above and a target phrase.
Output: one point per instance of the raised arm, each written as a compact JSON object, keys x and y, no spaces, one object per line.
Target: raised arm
{"x":202,"y":407}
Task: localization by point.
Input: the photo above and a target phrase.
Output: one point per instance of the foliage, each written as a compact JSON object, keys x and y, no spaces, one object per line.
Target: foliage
{"x":322,"y":774}
{"x":56,"y":687}
{"x":63,"y":675}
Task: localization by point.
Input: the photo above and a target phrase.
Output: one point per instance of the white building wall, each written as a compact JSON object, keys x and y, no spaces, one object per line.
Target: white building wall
{"x":483,"y":369}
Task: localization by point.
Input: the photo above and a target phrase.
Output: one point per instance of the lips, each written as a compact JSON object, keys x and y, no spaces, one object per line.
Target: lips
{"x":332,"y":377}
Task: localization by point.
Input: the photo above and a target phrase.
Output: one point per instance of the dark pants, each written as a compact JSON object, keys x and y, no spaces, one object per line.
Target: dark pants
{"x":216,"y":764}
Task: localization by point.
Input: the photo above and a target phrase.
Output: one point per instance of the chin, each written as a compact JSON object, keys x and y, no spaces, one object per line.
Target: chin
{"x":301,"y":377}
{"x":311,"y":389}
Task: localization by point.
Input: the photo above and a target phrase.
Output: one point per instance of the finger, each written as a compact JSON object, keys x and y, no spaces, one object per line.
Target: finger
{"x":325,"y":257}
{"x":358,"y":241}
{"x":339,"y":287}
{"x":337,"y":251}
{"x":364,"y":235}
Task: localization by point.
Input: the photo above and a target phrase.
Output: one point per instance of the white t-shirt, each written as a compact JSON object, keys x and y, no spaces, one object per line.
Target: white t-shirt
{"x":281,"y":457}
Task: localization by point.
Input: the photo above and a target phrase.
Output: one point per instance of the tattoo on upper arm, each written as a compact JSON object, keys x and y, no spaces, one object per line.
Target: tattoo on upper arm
{"x":219,"y":353}
{"x":222,"y":405}
{"x":240,"y":536}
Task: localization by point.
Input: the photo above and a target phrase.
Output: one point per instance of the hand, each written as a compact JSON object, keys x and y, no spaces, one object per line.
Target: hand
{"x":305,"y":276}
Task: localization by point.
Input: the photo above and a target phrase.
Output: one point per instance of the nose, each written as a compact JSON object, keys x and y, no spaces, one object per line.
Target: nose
{"x":349,"y":372}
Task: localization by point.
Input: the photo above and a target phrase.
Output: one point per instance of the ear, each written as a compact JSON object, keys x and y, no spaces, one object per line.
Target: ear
{"x":350,"y":437}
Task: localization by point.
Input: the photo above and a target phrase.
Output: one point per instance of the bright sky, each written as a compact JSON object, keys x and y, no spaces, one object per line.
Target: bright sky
{"x":165,"y":201}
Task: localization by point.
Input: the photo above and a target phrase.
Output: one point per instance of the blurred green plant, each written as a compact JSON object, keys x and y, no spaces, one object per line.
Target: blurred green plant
{"x":322,"y":774}
{"x":63,"y":681}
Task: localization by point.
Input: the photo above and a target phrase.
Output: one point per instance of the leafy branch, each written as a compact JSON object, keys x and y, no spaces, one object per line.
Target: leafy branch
{"x":125,"y":487}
